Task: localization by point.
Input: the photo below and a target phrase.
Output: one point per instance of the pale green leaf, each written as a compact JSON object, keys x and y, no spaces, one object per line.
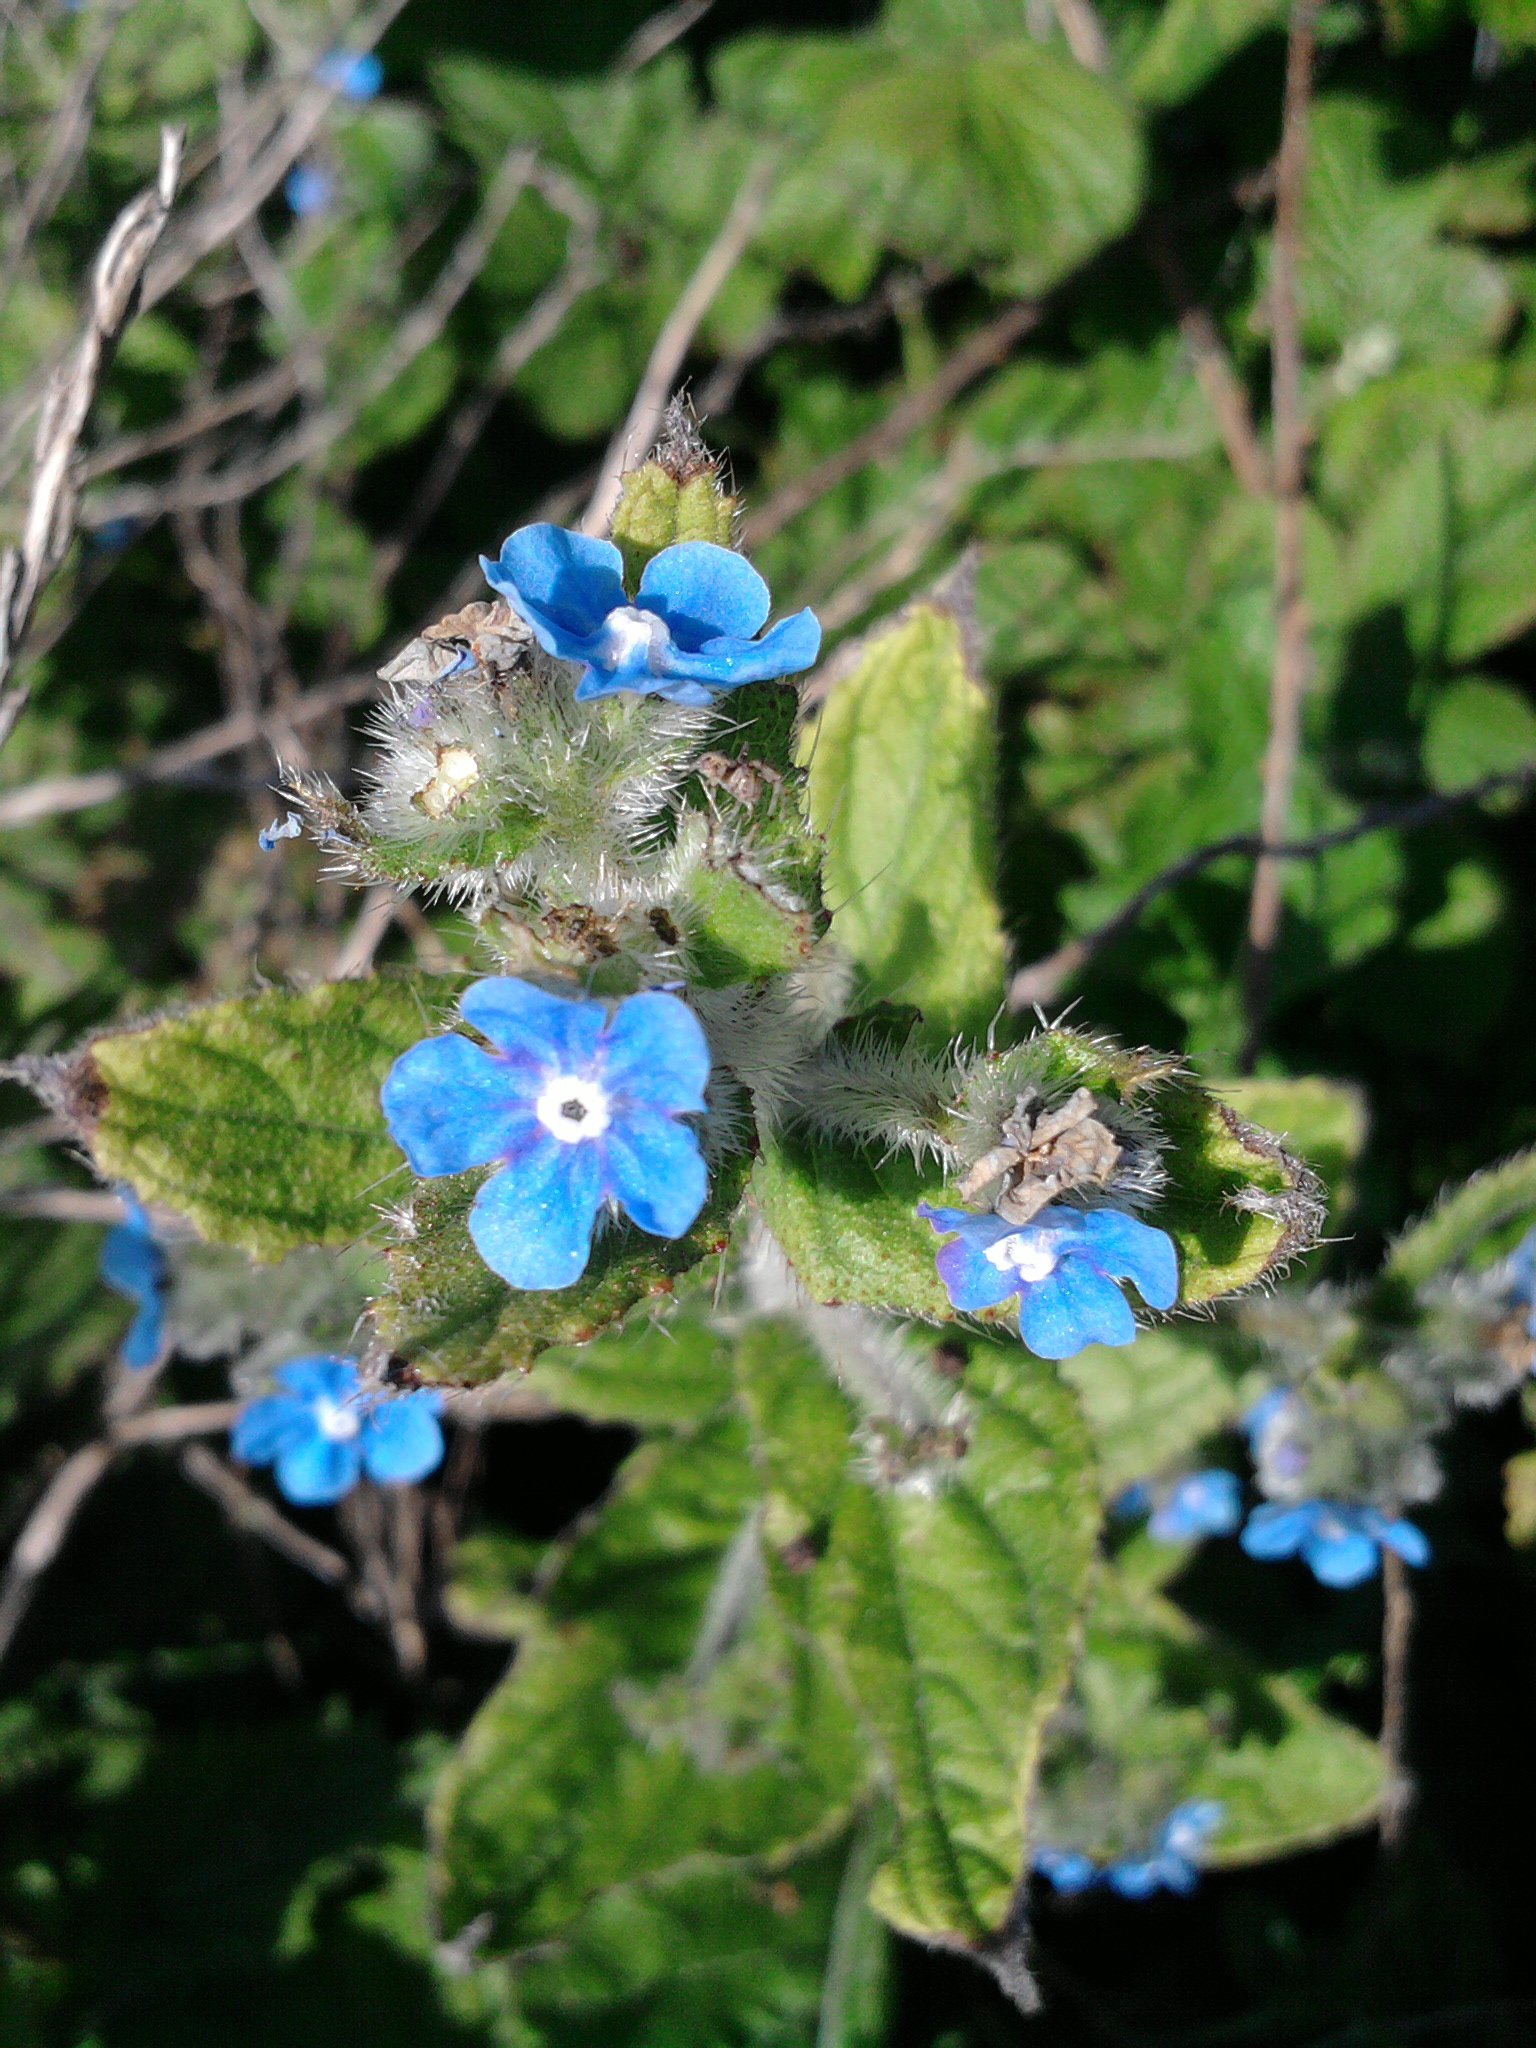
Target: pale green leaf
{"x":902,"y":765}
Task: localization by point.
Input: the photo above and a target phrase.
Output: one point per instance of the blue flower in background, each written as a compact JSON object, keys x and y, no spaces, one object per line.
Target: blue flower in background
{"x":1342,"y":1545}
{"x":1063,"y":1267}
{"x":1206,"y":1503}
{"x":355,"y":74}
{"x":322,"y":1435}
{"x":688,"y":635}
{"x":308,"y":189}
{"x":1173,"y":1864}
{"x":575,"y":1107}
{"x":1267,"y":1409}
{"x":133,"y":1264}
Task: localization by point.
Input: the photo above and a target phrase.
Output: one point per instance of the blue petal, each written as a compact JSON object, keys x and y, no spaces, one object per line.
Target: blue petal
{"x":403,"y":1439}
{"x":1067,"y":1870}
{"x":562,"y":584}
{"x":725,"y":664}
{"x":1189,"y":1826}
{"x":655,"y":1168}
{"x":1176,"y":1874}
{"x":609,"y":683}
{"x":1128,"y":1249}
{"x":532,"y":1222}
{"x":1346,"y":1559}
{"x":983,"y":1230}
{"x":656,"y":1053}
{"x":970,"y":1279}
{"x":1204,"y":1504}
{"x":319,"y":1471}
{"x":319,"y":1377}
{"x":131,"y":1262}
{"x":704,"y":592}
{"x":550,"y":1033}
{"x":355,"y":74}
{"x":1072,"y":1308}
{"x":1135,"y":1877}
{"x":146,"y":1335}
{"x":276,"y":1423}
{"x":1257,"y":1419}
{"x":1406,"y":1538}
{"x":1275,"y":1531}
{"x":449,"y":1105}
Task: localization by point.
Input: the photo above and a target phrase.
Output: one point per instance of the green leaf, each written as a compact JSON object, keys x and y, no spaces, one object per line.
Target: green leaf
{"x":1192,"y":39}
{"x":1149,"y":1403}
{"x":661,"y":1372}
{"x":459,"y":1323}
{"x":1477,"y":727}
{"x":1458,"y":1226}
{"x":1321,"y":1121}
{"x":1162,"y":1712}
{"x":737,"y":932}
{"x":660,"y":1718}
{"x":259,"y":1120}
{"x":486,"y":1589}
{"x":1018,"y":160}
{"x":850,"y":1228}
{"x":902,"y":764}
{"x":947,"y":1599}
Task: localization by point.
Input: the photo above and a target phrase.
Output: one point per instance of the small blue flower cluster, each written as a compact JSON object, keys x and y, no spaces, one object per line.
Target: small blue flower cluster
{"x":321,"y":1433}
{"x":1172,"y":1865}
{"x":133,"y":1264}
{"x":1208,"y":1503}
{"x":1063,"y":1267}
{"x":1341,"y":1544}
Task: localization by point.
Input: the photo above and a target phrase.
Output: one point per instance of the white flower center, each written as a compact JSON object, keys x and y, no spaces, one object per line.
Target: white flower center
{"x":1027,"y":1253}
{"x":628,"y":631}
{"x":337,"y":1421}
{"x":1329,"y":1529}
{"x":572,"y":1108}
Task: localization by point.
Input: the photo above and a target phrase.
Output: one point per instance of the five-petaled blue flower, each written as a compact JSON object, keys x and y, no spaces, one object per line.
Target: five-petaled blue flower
{"x":1063,"y":1267}
{"x":133,"y":1264}
{"x":1206,"y":1503}
{"x":322,"y":1433}
{"x":576,"y":1107}
{"x":1341,"y":1544}
{"x":688,"y":634}
{"x":355,"y":74}
{"x":1173,"y":1864}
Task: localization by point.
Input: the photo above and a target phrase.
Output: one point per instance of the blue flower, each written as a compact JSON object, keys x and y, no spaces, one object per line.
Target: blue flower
{"x":688,"y":635}
{"x":1173,"y":1864}
{"x":1341,"y":1544}
{"x":287,"y":827}
{"x":309,"y":190}
{"x":1063,"y":1267}
{"x":355,"y":74}
{"x":133,"y":1264}
{"x":1257,"y":1418}
{"x":1206,"y":1503}
{"x":575,"y":1107}
{"x":322,"y":1434}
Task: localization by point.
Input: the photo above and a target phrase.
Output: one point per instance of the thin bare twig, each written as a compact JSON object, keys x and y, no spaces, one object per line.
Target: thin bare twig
{"x":1396,"y":1641}
{"x":1288,"y":680}
{"x":51,"y":504}
{"x":659,"y":33}
{"x":252,"y":1513}
{"x":219,"y":221}
{"x":55,"y":795}
{"x":582,"y":270}
{"x":68,"y":132}
{"x":1043,"y":979}
{"x":826,"y":323}
{"x":46,"y":1527}
{"x":980,"y":352}
{"x":1084,"y":33}
{"x":1212,"y":367}
{"x":676,"y":337}
{"x":62,"y":1205}
{"x":420,"y":328}
{"x":369,"y":929}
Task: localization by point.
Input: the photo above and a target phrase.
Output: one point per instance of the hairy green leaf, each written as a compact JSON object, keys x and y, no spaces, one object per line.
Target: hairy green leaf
{"x":259,"y":1120}
{"x":901,"y":775}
